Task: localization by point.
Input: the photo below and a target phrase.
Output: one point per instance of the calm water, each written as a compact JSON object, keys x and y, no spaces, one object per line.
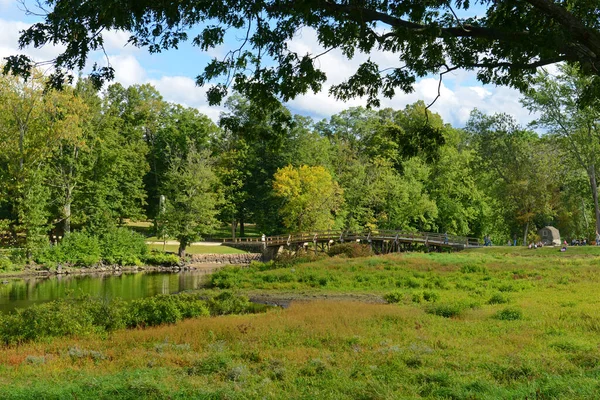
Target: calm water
{"x":23,"y":292}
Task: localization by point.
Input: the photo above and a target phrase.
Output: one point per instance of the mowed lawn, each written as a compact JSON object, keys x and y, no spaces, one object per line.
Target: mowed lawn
{"x":197,"y":249}
{"x":495,"y":323}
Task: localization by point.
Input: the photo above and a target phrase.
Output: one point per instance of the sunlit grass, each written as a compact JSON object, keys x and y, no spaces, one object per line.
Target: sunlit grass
{"x":197,"y":249}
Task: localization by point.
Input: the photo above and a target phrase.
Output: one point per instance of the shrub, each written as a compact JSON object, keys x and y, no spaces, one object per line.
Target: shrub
{"x":76,"y":248}
{"x":471,"y":268}
{"x":314,"y":367}
{"x":288,"y":259}
{"x":164,"y":309}
{"x":350,"y":250}
{"x":226,"y":278}
{"x":210,"y":365}
{"x":412,"y":283}
{"x":263,"y":266}
{"x":54,"y":319}
{"x":85,"y":315}
{"x":393,"y":297}
{"x":79,"y":248}
{"x":228,"y":303}
{"x":430,"y":296}
{"x":6,"y":264}
{"x":123,"y":246}
{"x":237,"y":373}
{"x":162,"y":259}
{"x":509,"y":314}
{"x":417,"y":297}
{"x":498,"y":298}
{"x":446,"y":310}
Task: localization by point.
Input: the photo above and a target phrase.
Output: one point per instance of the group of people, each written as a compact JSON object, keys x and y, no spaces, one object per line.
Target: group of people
{"x":487,"y":241}
{"x":535,"y":245}
{"x":579,"y":242}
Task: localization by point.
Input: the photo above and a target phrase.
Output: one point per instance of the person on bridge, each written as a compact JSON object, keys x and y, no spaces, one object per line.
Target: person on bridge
{"x":446,"y":238}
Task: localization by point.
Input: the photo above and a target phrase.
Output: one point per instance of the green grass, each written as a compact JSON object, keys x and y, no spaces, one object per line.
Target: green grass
{"x":198,"y":249}
{"x":540,"y":252}
{"x":146,"y":227}
{"x":483,"y":324}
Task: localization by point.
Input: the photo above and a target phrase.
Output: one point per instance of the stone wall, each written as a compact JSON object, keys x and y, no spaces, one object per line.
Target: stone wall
{"x":245,"y":258}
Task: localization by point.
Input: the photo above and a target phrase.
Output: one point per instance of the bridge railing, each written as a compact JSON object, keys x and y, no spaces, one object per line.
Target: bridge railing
{"x":380,"y":234}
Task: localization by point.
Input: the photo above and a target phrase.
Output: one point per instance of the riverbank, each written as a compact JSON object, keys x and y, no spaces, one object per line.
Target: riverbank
{"x":194,"y":262}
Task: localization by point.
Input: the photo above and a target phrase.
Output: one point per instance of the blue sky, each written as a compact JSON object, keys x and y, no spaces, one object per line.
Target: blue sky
{"x":173,"y":73}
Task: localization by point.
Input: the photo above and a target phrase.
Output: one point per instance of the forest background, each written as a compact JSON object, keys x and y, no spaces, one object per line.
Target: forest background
{"x":87,"y":160}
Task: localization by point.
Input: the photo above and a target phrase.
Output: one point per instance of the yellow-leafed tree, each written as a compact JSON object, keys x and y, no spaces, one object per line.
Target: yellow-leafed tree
{"x":310,"y":198}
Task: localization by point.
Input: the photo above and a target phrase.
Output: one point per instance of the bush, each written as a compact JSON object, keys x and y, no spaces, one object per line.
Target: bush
{"x":446,"y":310}
{"x":164,"y":309}
{"x":116,"y":246}
{"x":498,"y":298}
{"x":393,"y":297}
{"x":229,"y":303}
{"x":57,"y":318}
{"x":6,"y":264}
{"x":287,"y":259}
{"x":225,"y":278}
{"x":123,"y":246}
{"x":431,"y":297}
{"x":76,"y":248}
{"x":211,"y":365}
{"x":509,"y":314}
{"x":350,"y":250}
{"x":162,"y":259}
{"x":470,"y":269}
{"x":85,"y":315}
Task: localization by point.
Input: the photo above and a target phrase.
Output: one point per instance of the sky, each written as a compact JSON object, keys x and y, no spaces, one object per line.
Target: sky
{"x":173,"y":74}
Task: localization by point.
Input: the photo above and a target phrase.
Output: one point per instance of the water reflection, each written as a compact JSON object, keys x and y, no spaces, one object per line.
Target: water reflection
{"x":23,"y":292}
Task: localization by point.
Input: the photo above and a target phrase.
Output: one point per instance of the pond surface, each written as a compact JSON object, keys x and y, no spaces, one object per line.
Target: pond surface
{"x":24,"y":292}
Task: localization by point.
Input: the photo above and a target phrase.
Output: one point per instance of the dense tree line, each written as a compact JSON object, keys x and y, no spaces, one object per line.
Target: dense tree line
{"x":80,"y":159}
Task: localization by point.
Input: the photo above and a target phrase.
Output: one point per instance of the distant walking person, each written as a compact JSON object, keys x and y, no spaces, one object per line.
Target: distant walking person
{"x":597,"y":238}
{"x":446,"y":238}
{"x":515,"y":239}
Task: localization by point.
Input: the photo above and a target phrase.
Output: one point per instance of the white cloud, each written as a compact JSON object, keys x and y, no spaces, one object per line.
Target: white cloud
{"x":9,"y":42}
{"x":116,"y":41}
{"x":128,"y":71}
{"x":183,"y":90}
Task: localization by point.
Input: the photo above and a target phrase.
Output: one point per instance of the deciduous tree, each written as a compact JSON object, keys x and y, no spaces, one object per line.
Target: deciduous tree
{"x":310,"y":198}
{"x":190,"y":187}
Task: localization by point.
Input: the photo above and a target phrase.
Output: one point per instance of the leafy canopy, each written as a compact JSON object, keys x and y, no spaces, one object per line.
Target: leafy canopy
{"x":310,"y":197}
{"x":503,"y":41}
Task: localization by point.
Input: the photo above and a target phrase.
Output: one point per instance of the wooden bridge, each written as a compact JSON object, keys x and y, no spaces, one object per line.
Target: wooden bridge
{"x":381,"y":241}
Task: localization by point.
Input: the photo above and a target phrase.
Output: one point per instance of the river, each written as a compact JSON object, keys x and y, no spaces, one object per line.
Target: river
{"x":23,"y":292}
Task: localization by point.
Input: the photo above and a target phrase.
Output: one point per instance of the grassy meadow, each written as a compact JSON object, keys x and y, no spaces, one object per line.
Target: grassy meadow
{"x":481,"y":324}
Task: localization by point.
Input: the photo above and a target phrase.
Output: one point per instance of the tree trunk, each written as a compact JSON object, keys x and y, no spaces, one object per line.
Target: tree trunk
{"x":242,"y":231}
{"x":594,"y":187}
{"x":587,"y":225}
{"x":182,"y":247}
{"x":525,"y":234}
{"x":233,"y":227}
{"x":67,"y":220}
{"x":67,"y":210}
